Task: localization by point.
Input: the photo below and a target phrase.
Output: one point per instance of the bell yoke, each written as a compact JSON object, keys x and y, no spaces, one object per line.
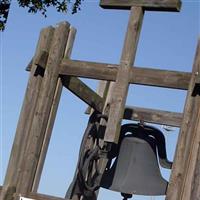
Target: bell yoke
{"x":133,"y":163}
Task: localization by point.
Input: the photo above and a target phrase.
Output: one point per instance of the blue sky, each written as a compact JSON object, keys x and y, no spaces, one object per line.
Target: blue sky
{"x":168,"y":41}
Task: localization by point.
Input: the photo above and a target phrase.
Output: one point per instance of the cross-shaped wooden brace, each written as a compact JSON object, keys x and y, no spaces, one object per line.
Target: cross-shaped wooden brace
{"x":124,"y":74}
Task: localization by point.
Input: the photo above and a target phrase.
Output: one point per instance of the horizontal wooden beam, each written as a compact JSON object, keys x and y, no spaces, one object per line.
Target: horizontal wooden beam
{"x":37,"y":196}
{"x":147,"y":115}
{"x":153,"y":116}
{"x":154,"y":5}
{"x":160,"y":78}
{"x":138,"y":75}
{"x":86,"y":69}
{"x":80,"y":89}
{"x":90,"y":97}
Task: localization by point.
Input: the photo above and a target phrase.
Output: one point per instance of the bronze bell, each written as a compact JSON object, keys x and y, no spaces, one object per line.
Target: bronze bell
{"x":133,"y":166}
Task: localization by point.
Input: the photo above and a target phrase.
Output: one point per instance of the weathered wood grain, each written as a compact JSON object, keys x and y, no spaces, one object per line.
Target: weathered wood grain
{"x":154,"y":5}
{"x":26,"y":116}
{"x":138,"y":75}
{"x":195,"y":193}
{"x":41,"y":59}
{"x":192,"y":143}
{"x":92,"y":70}
{"x":102,"y":91}
{"x":153,"y":116}
{"x":81,"y":90}
{"x":38,"y":196}
{"x":186,"y":156}
{"x":43,"y":108}
{"x":160,"y":78}
{"x":53,"y":112}
{"x":120,"y":88}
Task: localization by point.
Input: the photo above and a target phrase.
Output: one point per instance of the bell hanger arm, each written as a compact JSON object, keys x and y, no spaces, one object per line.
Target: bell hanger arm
{"x":161,"y":145}
{"x":157,"y":135}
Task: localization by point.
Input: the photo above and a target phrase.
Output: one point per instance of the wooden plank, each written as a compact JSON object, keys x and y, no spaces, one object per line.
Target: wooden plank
{"x":195,"y":194}
{"x":192,"y":145}
{"x":81,"y":90}
{"x":38,"y":196}
{"x":120,"y":89}
{"x":153,"y":116}
{"x":47,"y":137}
{"x":43,"y":108}
{"x":92,"y":70}
{"x":25,"y":120}
{"x":160,"y":78}
{"x":41,"y":59}
{"x":154,"y":5}
{"x":138,"y":75}
{"x":53,"y":112}
{"x":102,"y":91}
{"x":186,"y":156}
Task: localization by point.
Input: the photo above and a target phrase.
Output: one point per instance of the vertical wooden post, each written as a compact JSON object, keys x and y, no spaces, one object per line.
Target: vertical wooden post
{"x":195,"y":194}
{"x":25,"y":120}
{"x":102,"y":91}
{"x":43,"y":108}
{"x":119,"y":93}
{"x":186,"y":157}
{"x":115,"y":93}
{"x":52,"y":115}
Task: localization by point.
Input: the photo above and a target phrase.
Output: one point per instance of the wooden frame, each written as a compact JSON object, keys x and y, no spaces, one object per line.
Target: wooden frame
{"x":51,"y":68}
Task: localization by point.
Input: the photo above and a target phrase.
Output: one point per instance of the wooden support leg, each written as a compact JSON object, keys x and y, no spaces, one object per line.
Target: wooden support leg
{"x":195,"y":193}
{"x":120,"y":87}
{"x":43,"y":109}
{"x":183,"y":183}
{"x":25,"y":120}
{"x":52,"y":115}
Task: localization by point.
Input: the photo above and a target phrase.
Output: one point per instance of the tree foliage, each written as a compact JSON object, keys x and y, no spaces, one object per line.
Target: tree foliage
{"x":35,"y":6}
{"x":4,"y":9}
